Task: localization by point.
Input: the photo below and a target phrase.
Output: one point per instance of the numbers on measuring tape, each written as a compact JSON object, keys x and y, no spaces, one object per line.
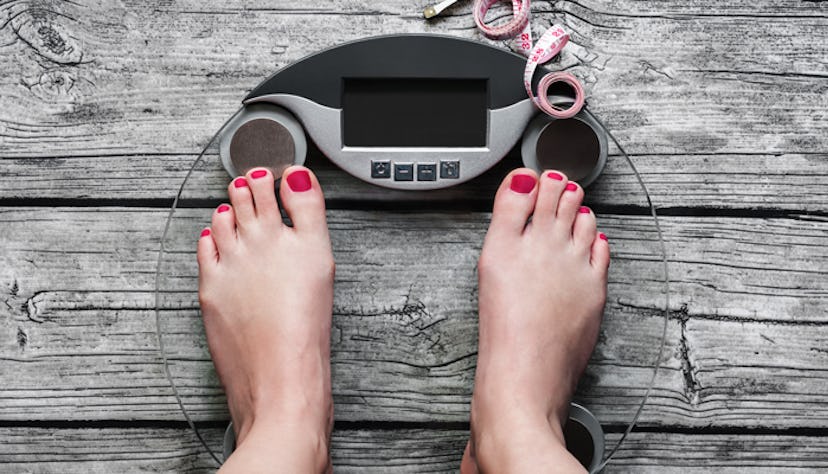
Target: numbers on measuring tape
{"x":548,"y":46}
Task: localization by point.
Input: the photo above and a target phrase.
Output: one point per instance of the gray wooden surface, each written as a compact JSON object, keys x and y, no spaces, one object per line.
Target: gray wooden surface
{"x":103,"y":106}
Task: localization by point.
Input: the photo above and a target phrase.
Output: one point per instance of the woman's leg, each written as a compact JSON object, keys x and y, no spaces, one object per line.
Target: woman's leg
{"x":542,"y":293}
{"x":266,"y":293}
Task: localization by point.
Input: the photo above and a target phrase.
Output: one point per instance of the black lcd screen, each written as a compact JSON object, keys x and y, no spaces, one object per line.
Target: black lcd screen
{"x":414,"y":112}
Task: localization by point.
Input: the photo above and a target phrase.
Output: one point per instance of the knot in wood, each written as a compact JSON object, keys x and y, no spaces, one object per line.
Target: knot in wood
{"x":39,"y":30}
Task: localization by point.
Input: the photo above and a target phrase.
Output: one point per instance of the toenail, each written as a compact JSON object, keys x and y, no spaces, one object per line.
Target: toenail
{"x":205,"y":232}
{"x":522,"y":183}
{"x":571,"y":187}
{"x":240,"y":182}
{"x":603,"y":236}
{"x":584,"y":210}
{"x":555,"y":176}
{"x":223,"y":208}
{"x":299,"y":181}
{"x":258,"y":174}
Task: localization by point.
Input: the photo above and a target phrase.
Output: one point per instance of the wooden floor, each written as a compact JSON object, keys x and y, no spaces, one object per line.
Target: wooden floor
{"x":723,"y":105}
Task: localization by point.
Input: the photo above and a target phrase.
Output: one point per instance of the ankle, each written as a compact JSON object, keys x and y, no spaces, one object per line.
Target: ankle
{"x":524,"y":449}
{"x":520,"y":441}
{"x":283,"y":445}
{"x":502,"y":410}
{"x":309,"y":414}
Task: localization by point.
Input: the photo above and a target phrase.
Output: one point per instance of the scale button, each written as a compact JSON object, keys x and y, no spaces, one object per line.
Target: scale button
{"x":427,"y":172}
{"x":380,"y":169}
{"x":449,"y":169}
{"x":403,"y":172}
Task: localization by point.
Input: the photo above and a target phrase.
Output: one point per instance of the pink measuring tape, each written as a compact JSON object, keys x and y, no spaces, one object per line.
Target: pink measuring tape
{"x":550,"y":44}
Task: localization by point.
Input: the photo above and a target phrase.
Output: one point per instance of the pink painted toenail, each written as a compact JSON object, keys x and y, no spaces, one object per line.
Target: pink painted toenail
{"x":223,"y":208}
{"x":205,"y":232}
{"x":258,"y":174}
{"x":584,"y":210}
{"x":603,"y":236}
{"x":571,"y":187}
{"x":522,"y":183}
{"x":299,"y":181}
{"x":240,"y":182}
{"x":555,"y":176}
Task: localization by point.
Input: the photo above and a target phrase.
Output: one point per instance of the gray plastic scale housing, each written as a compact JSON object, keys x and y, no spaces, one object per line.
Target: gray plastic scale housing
{"x":312,"y":89}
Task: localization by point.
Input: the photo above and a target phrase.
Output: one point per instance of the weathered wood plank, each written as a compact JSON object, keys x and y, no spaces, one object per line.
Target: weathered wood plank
{"x":79,"y":305}
{"x":794,"y":182}
{"x":108,"y":88}
{"x":180,"y":82}
{"x":106,"y":450}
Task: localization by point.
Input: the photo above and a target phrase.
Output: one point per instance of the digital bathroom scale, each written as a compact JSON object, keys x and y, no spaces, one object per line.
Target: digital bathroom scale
{"x":412,"y":112}
{"x":341,"y":99}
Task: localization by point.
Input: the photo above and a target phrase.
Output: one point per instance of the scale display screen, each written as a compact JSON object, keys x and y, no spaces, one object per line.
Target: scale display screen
{"x":415,"y":112}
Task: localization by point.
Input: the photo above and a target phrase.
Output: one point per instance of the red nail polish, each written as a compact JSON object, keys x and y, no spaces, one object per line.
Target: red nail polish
{"x":584,"y":210}
{"x":240,"y":182}
{"x":258,"y":174}
{"x":603,"y":236}
{"x":205,"y":232}
{"x":522,"y":183}
{"x":571,"y":186}
{"x":299,"y":181}
{"x":555,"y":176}
{"x":223,"y":208}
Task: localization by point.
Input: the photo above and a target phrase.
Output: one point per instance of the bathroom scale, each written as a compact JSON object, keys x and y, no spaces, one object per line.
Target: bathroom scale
{"x":409,"y":114}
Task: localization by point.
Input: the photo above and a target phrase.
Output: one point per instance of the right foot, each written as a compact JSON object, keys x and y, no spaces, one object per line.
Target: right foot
{"x":542,"y":290}
{"x":266,"y":293}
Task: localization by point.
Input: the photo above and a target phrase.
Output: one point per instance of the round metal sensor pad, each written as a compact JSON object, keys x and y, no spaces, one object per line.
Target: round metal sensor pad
{"x":262,"y":136}
{"x":576,"y":146}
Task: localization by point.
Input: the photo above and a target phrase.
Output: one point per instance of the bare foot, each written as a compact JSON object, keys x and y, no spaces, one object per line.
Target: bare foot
{"x":542,"y":293}
{"x":266,"y":293}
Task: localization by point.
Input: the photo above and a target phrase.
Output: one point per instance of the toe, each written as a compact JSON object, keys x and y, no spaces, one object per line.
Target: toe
{"x":206,"y":253}
{"x":514,"y":202}
{"x":263,"y":189}
{"x":583,"y":231}
{"x":242,"y":200}
{"x":224,"y":228}
{"x":551,"y":185}
{"x":600,"y":257}
{"x":568,"y":205}
{"x":303,"y":200}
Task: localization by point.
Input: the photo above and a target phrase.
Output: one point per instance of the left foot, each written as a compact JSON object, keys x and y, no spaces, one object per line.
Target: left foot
{"x":266,"y":293}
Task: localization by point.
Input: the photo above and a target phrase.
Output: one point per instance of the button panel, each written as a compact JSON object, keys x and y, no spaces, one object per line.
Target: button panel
{"x":403,"y":172}
{"x":380,"y":169}
{"x":450,"y":169}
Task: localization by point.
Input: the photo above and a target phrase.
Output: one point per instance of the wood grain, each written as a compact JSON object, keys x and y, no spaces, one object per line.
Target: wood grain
{"x":745,"y":341}
{"x":119,"y":98}
{"x":106,"y":450}
{"x":791,"y":183}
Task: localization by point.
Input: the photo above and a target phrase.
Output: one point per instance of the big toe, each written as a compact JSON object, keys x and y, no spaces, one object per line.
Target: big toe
{"x":303,"y":200}
{"x":514,"y":202}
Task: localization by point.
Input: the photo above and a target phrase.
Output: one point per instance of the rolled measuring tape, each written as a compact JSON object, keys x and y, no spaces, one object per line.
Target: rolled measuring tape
{"x":521,"y":11}
{"x":548,"y":46}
